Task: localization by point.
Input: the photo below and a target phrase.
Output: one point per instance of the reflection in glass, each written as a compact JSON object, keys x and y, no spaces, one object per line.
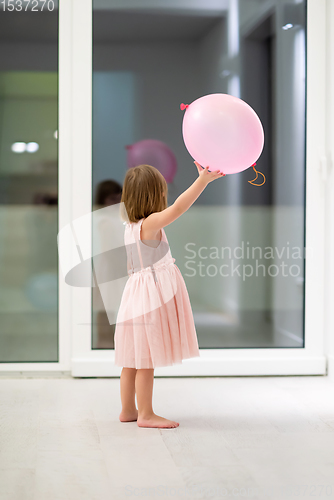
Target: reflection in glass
{"x":108,"y":193}
{"x":28,"y":186}
{"x":240,"y":248}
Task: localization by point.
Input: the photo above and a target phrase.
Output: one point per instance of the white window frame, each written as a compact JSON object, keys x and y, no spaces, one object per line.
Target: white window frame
{"x":328,"y":176}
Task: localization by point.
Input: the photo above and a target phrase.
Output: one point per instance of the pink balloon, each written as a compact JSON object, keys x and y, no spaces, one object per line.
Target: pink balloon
{"x":155,"y":153}
{"x":222,"y":132}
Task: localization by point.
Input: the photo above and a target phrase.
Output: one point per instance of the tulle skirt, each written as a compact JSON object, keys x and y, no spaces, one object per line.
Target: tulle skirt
{"x":155,"y":325}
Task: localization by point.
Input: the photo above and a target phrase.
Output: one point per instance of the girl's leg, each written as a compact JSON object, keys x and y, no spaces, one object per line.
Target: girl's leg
{"x":127,"y":387}
{"x":144,"y":391}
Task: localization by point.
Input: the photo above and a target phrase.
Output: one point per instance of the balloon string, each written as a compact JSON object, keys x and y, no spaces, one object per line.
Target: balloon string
{"x":257,"y":174}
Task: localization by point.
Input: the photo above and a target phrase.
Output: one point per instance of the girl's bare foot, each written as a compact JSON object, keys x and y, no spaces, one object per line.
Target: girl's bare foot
{"x":128,"y":416}
{"x":156,"y":421}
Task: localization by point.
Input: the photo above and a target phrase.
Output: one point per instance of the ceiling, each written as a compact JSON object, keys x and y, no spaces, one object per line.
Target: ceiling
{"x":110,"y":26}
{"x":28,"y":26}
{"x":120,"y":26}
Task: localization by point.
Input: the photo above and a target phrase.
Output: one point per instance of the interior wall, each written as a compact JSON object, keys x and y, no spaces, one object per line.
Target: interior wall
{"x":256,"y":91}
{"x":164,"y":75}
{"x":288,"y":173}
{"x":257,"y":78}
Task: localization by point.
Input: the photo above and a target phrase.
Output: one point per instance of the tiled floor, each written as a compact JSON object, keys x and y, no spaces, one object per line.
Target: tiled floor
{"x":239,"y":437}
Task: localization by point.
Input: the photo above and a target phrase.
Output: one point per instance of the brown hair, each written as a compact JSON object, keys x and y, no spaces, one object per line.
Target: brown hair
{"x":142,"y":193}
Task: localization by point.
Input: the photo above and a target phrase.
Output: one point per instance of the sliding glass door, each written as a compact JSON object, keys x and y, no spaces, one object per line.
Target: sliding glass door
{"x":28,"y":186}
{"x":240,"y":247}
{"x":249,"y":254}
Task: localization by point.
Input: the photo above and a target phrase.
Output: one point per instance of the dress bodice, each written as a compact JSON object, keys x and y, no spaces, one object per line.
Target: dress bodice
{"x":141,"y":255}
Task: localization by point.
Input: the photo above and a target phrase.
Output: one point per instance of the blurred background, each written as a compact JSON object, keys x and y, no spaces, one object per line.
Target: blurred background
{"x":148,"y":57}
{"x":28,"y":186}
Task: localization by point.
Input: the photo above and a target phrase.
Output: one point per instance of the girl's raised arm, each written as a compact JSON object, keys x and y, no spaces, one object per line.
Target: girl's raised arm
{"x":158,"y":220}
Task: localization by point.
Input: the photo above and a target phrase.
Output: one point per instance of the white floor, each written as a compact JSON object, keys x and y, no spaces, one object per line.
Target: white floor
{"x":240,"y":437}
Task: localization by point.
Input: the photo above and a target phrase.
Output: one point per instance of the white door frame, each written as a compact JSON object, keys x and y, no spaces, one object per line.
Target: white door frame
{"x":64,"y":194}
{"x":310,"y":360}
{"x":329,"y":177}
{"x":75,"y":197}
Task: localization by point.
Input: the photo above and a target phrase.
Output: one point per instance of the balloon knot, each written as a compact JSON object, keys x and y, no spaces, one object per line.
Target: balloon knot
{"x":257,"y":175}
{"x":184,"y":106}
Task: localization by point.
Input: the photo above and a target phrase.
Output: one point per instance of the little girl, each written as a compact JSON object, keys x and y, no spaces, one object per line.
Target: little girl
{"x":154,"y":325}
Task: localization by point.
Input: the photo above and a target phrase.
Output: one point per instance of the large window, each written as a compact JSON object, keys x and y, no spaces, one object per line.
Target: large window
{"x":146,"y":61}
{"x":28,"y":183}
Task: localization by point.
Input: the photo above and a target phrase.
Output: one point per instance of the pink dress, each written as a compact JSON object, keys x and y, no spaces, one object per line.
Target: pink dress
{"x":155,"y":324}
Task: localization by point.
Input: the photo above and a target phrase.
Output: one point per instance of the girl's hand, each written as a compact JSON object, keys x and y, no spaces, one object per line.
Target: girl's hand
{"x":206,"y":175}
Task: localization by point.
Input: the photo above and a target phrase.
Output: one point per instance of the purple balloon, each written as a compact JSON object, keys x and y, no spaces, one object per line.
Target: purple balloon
{"x":155,"y":153}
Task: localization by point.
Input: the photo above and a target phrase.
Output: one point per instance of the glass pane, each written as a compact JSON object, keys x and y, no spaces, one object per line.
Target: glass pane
{"x":240,"y":247}
{"x":29,"y":184}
